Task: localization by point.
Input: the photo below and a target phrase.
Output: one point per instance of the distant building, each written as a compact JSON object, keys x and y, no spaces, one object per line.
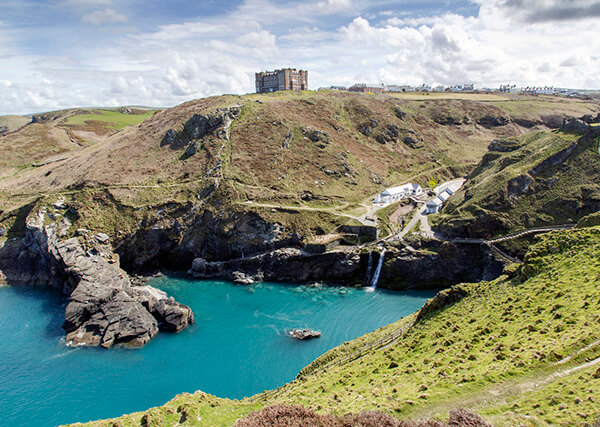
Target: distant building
{"x":423,"y":88}
{"x":508,"y":88}
{"x":284,"y":79}
{"x":364,"y":87}
{"x":333,"y":88}
{"x":398,"y":193}
{"x":462,"y":88}
{"x":399,"y":88}
{"x":542,"y":90}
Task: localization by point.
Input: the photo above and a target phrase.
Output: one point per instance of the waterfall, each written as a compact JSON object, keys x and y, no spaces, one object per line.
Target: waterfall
{"x":375,"y":278}
{"x":369,"y":269}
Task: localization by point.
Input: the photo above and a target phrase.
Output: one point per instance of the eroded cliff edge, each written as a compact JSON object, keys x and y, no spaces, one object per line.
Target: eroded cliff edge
{"x":104,"y":308}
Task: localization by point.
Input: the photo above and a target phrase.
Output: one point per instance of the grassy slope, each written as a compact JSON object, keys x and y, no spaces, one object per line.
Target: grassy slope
{"x":142,"y":174}
{"x":13,"y":123}
{"x":560,"y":194}
{"x":517,"y":350}
{"x":114,"y":119}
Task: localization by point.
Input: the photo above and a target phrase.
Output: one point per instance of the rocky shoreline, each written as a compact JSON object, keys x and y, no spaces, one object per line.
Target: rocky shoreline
{"x":104,"y":308}
{"x":107,"y":307}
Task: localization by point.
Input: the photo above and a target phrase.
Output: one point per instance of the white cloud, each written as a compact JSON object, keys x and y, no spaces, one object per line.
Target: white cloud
{"x":219,"y":54}
{"x":106,"y":16}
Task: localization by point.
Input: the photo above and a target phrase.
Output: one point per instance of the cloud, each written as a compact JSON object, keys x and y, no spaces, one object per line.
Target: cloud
{"x":219,"y":53}
{"x":106,"y":16}
{"x":539,"y":11}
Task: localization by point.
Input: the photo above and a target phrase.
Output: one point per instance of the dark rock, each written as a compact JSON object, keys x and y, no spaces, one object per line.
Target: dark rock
{"x":574,"y":125}
{"x":169,"y":137}
{"x":518,"y":186}
{"x":413,"y":142}
{"x":303,"y":334}
{"x":504,"y":145}
{"x":3,"y":130}
{"x":447,"y":120}
{"x":284,"y":265}
{"x":172,"y":315}
{"x":199,"y":126}
{"x":287,"y":141}
{"x":367,"y":129}
{"x":391,"y":133}
{"x":490,"y":121}
{"x":526,"y":123}
{"x":322,"y":138}
{"x":399,"y":113}
{"x":192,"y":148}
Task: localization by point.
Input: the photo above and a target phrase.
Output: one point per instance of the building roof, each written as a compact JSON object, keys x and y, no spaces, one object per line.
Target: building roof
{"x":435,"y":202}
{"x":398,"y":190}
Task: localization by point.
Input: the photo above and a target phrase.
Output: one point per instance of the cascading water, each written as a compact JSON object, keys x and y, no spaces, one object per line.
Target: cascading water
{"x":375,"y":278}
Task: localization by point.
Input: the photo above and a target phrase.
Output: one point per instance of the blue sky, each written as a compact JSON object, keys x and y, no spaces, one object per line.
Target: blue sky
{"x":63,"y":53}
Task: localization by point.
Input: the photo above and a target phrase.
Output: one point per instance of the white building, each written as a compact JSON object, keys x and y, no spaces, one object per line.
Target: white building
{"x":399,"y":88}
{"x":435,"y":205}
{"x":394,"y":194}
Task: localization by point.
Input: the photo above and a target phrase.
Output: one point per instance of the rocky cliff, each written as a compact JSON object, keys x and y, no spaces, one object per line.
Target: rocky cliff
{"x":419,"y":264}
{"x":104,"y":309}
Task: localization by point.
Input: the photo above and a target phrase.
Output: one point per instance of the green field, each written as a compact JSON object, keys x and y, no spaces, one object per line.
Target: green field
{"x":115,"y":119}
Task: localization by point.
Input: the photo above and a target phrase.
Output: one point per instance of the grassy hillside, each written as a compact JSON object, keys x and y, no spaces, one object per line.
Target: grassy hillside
{"x":523,"y":349}
{"x":12,"y":123}
{"x":323,"y":152}
{"x":535,"y":180}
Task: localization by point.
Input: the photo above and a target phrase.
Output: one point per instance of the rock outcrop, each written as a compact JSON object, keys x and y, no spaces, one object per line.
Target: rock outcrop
{"x":425,"y":264}
{"x":104,"y":308}
{"x":286,"y":265}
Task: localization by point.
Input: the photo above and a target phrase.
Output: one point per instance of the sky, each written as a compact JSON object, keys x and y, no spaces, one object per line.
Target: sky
{"x":66,"y":53}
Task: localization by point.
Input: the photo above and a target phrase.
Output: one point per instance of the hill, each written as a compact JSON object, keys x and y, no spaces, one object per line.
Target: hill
{"x":306,"y":161}
{"x":12,"y":123}
{"x":531,"y":181}
{"x":523,"y":349}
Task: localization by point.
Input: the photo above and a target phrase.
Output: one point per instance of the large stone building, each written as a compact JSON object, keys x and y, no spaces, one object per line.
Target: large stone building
{"x":284,"y":79}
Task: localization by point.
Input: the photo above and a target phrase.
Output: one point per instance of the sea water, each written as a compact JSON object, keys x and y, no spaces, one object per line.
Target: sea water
{"x":236,"y":348}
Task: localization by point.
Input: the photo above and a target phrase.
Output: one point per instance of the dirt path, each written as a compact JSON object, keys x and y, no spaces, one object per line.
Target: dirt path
{"x":503,"y":393}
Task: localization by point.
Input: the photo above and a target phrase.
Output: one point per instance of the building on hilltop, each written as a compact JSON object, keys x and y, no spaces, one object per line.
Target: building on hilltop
{"x":284,"y":79}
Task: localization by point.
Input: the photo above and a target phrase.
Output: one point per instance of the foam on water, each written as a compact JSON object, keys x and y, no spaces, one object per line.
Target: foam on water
{"x":237,"y":347}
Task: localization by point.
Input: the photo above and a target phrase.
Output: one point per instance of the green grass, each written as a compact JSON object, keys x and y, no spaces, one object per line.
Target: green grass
{"x":112,"y":118}
{"x":485,"y":352}
{"x":558,"y":194}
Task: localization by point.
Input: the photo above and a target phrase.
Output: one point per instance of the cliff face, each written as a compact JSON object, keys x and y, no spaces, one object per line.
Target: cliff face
{"x":104,"y":308}
{"x":419,"y":265}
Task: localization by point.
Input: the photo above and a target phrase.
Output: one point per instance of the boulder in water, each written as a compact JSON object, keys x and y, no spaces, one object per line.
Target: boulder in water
{"x":303,"y":334}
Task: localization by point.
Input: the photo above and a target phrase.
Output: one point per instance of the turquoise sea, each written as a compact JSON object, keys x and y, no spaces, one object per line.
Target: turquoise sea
{"x":236,"y":348}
